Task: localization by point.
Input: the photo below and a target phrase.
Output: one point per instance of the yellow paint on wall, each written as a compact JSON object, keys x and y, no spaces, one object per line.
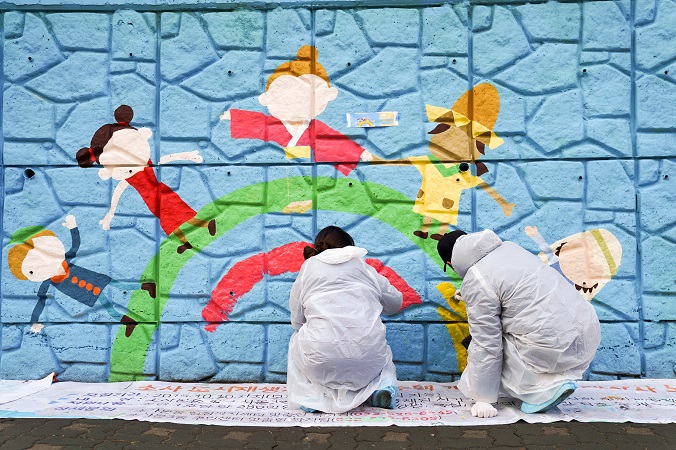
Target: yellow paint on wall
{"x":300,"y":151}
{"x":457,"y":330}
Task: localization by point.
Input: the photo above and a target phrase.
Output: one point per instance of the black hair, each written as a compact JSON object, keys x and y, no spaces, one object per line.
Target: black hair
{"x":446,"y":244}
{"x":329,"y":237}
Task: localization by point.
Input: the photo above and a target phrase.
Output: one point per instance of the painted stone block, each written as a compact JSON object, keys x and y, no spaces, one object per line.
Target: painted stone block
{"x":67,"y":72}
{"x":660,"y":361}
{"x":32,"y":359}
{"x":545,"y":97}
{"x":560,"y":21}
{"x":278,"y":346}
{"x":657,"y":225}
{"x":62,"y":349}
{"x":88,"y":273}
{"x":189,"y":359}
{"x":241,"y":373}
{"x":407,"y":342}
{"x":391,"y":25}
{"x":535,"y":132}
{"x":442,"y":359}
{"x":238,"y":342}
{"x":655,"y":85}
{"x":620,"y":350}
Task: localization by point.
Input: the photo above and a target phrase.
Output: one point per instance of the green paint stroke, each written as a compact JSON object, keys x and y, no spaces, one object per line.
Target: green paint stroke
{"x":344,"y":195}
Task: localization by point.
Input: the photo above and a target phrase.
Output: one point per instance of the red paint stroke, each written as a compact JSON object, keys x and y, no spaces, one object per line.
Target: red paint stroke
{"x":411,"y":297}
{"x":288,"y":258}
{"x":244,"y":275}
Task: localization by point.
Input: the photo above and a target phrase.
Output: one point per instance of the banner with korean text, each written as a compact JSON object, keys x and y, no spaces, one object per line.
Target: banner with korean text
{"x":418,"y":404}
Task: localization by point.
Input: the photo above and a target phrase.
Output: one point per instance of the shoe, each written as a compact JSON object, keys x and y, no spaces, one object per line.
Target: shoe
{"x":563,"y":393}
{"x":385,"y":398}
{"x":308,"y":410}
{"x":184,"y":247}
{"x":420,"y":234}
{"x":130,"y":323}
{"x":151,"y":288}
{"x":437,"y":236}
{"x":212,"y":227}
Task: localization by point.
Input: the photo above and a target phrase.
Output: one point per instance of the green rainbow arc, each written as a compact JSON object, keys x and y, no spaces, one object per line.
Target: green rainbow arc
{"x":383,"y":203}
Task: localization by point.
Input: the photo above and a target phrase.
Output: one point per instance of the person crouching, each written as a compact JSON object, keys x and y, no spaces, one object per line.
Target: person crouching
{"x":532,"y":333}
{"x":338,"y":356}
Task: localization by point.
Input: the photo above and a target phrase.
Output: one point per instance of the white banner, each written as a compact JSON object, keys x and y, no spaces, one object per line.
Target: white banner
{"x":418,"y":404}
{"x":11,"y":390}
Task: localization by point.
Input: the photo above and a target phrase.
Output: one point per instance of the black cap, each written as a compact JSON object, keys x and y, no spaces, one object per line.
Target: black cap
{"x":446,"y":243}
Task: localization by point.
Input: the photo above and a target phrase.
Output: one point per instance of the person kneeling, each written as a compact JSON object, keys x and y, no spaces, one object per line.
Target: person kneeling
{"x":338,"y":356}
{"x":532,"y":333}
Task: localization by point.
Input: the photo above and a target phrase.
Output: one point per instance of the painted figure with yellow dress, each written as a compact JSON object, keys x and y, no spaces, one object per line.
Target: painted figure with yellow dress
{"x":460,"y":138}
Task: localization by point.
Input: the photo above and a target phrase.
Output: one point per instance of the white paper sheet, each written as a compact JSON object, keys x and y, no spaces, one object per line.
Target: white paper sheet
{"x":11,"y":390}
{"x":418,"y":404}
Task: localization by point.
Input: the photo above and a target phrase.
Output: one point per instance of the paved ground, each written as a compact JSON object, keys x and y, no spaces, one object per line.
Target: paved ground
{"x":54,"y":434}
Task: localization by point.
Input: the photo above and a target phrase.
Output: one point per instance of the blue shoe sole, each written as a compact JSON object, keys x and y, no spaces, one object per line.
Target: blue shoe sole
{"x":561,"y":395}
{"x":308,"y":410}
{"x":385,"y":398}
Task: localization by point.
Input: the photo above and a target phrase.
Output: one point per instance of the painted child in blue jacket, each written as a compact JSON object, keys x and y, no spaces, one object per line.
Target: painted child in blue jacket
{"x":40,"y":256}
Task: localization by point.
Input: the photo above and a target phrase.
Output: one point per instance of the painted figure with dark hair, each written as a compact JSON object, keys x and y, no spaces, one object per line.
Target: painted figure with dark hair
{"x":338,"y":356}
{"x":124,"y":153}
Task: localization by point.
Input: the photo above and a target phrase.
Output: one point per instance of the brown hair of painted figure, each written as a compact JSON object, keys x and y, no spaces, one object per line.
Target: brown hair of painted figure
{"x":124,"y":154}
{"x":88,"y":156}
{"x":327,"y":238}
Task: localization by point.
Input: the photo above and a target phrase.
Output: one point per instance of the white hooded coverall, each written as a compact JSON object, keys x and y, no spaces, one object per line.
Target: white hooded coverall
{"x":338,"y":355}
{"x":531,"y":330}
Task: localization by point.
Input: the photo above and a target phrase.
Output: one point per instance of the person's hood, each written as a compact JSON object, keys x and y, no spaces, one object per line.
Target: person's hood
{"x":340,"y":255}
{"x":469,"y":249}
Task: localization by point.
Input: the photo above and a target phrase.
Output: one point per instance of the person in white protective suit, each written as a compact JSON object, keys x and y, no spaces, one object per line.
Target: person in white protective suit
{"x":532,"y":333}
{"x":338,"y":356}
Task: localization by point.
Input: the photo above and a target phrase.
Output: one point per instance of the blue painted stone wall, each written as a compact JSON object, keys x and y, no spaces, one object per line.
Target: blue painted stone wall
{"x":587,"y":112}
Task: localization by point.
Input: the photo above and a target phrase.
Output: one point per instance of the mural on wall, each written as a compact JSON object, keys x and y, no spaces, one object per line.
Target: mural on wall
{"x":455,"y":311}
{"x":124,"y":153}
{"x":39,"y":256}
{"x":463,"y":133}
{"x":245,"y":274}
{"x":296,"y":93}
{"x":189,"y":280}
{"x":588,"y":259}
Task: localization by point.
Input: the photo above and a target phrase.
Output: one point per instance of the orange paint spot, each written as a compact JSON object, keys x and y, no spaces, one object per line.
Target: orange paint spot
{"x":89,"y":286}
{"x":97,"y":291}
{"x":82,"y":283}
{"x":74,"y":280}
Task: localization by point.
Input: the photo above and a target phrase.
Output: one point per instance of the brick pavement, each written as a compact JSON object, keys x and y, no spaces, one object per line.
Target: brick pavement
{"x":55,"y":434}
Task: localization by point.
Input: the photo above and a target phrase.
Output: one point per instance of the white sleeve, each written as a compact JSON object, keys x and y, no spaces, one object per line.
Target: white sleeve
{"x":390,"y":297}
{"x":295,"y":304}
{"x":481,"y":378}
